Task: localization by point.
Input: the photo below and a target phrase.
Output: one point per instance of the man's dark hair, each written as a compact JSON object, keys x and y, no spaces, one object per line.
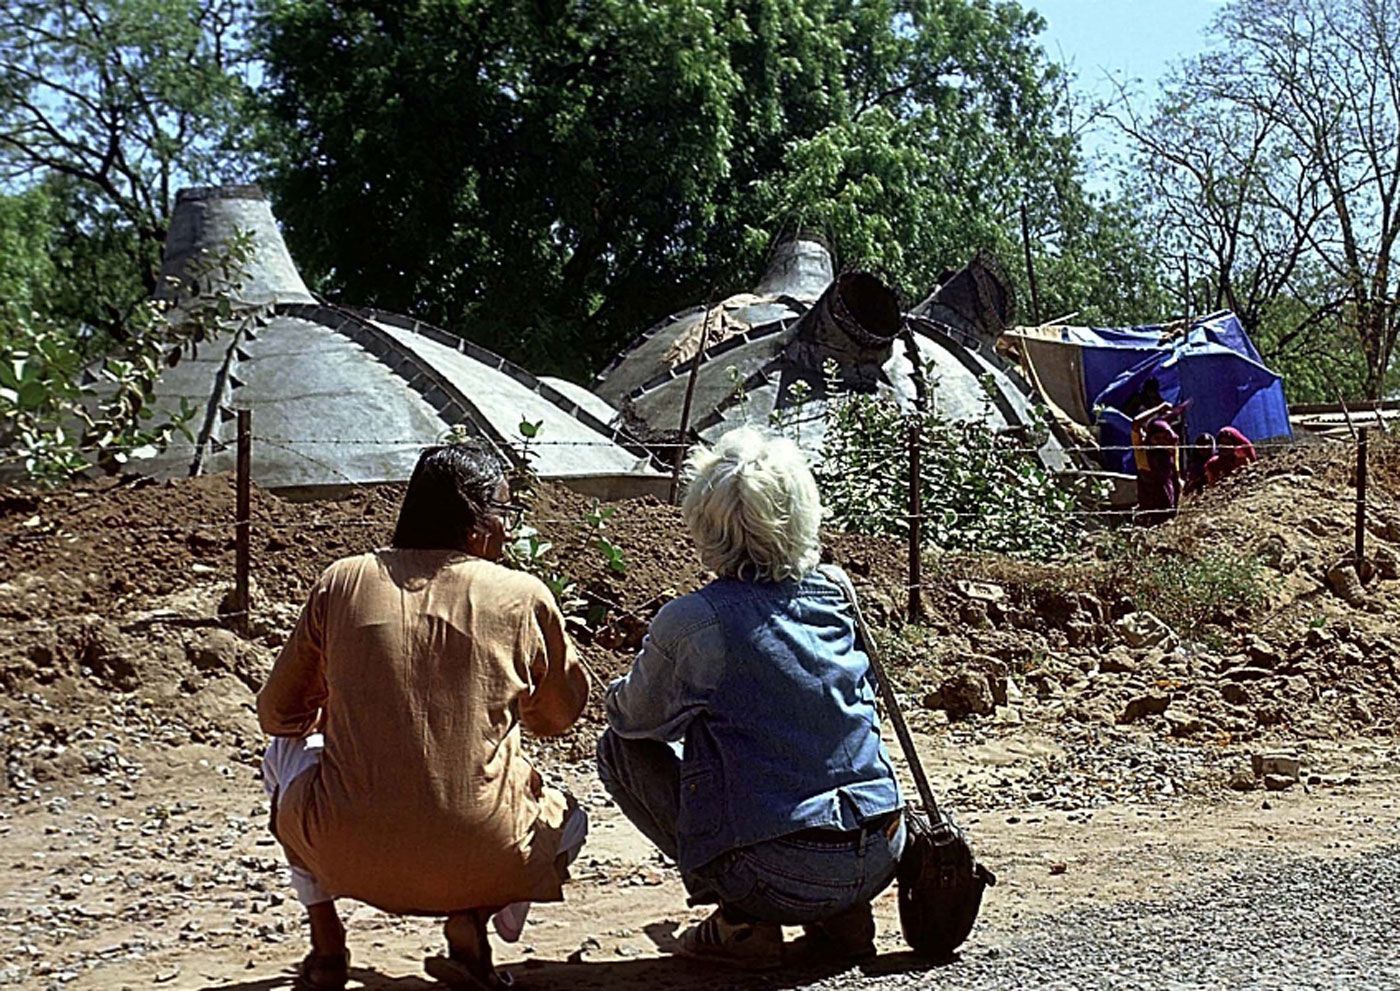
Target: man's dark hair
{"x":450,"y":492}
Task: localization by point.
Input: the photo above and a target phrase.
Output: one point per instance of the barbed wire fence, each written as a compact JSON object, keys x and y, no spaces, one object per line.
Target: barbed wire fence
{"x":907,"y":459}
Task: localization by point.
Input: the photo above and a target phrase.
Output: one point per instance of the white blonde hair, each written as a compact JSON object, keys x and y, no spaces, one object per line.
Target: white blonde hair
{"x":752,"y":507}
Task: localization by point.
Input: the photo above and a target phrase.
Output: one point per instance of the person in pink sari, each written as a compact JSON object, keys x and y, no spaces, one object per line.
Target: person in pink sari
{"x":1233,"y":451}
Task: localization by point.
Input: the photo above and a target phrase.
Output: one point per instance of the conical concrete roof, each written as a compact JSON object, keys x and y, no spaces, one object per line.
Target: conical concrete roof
{"x":343,"y":396}
{"x":208,"y":217}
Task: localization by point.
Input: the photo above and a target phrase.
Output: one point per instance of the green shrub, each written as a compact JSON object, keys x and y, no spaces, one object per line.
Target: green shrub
{"x":980,"y":491}
{"x":62,"y":413}
{"x":1190,"y":593}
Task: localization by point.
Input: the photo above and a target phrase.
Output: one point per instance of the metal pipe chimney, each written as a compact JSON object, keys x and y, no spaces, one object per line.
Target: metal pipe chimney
{"x":977,"y":301}
{"x":855,"y":323}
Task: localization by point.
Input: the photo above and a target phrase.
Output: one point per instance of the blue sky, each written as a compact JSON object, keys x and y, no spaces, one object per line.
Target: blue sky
{"x":1127,"y":39}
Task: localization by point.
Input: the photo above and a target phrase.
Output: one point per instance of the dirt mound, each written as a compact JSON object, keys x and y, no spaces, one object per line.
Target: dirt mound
{"x":113,"y":545}
{"x":116,"y":585}
{"x":658,"y":563}
{"x":1225,"y":625}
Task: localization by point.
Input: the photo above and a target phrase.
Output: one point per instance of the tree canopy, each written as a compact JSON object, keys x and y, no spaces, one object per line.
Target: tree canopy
{"x":550,"y":177}
{"x":1271,"y":163}
{"x":106,"y":106}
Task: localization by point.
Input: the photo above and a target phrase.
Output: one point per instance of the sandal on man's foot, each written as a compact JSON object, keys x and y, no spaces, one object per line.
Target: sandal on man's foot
{"x":750,"y":945}
{"x":848,"y":935}
{"x":323,"y":972}
{"x":461,"y":975}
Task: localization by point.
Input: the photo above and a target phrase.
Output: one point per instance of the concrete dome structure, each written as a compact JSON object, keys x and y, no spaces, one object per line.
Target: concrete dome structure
{"x":344,"y":396}
{"x":801,"y":317}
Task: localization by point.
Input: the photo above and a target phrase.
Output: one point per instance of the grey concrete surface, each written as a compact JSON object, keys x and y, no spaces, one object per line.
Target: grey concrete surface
{"x":1276,"y":925}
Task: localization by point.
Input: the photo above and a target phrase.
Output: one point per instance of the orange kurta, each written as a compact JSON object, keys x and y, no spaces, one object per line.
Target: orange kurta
{"x":421,"y":667}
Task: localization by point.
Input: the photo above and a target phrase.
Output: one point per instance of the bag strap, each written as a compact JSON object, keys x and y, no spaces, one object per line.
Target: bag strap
{"x":886,"y":689}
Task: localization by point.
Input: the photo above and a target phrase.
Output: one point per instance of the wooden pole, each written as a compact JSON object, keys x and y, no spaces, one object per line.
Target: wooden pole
{"x":1346,"y":413}
{"x":1186,"y":290}
{"x":681,"y":446}
{"x":1030,"y":266}
{"x":242,"y":598}
{"x":1360,"y":500}
{"x":916,"y":523}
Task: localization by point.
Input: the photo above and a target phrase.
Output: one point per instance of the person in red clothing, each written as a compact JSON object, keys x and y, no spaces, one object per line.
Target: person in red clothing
{"x":1155,"y":455}
{"x":1198,"y":455}
{"x":1233,"y":451}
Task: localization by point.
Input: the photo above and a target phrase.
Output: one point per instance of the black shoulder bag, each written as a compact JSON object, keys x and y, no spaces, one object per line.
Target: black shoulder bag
{"x":940,"y":881}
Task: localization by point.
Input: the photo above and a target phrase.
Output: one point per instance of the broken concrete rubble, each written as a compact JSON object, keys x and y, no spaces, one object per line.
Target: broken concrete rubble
{"x":1261,"y":653}
{"x":1280,"y":764}
{"x":1143,"y":706}
{"x":963,"y":694}
{"x":1142,"y":629}
{"x":983,"y":591}
{"x":1344,"y":581}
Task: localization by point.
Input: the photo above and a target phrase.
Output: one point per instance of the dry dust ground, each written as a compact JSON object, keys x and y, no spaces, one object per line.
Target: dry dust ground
{"x":180,"y":886}
{"x":134,"y":853}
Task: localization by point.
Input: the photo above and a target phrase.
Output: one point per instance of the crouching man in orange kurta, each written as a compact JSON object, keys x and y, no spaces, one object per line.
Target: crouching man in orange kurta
{"x":396,"y":772}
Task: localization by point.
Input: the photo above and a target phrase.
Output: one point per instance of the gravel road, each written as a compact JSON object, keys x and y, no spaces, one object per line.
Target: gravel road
{"x":1279,"y":925}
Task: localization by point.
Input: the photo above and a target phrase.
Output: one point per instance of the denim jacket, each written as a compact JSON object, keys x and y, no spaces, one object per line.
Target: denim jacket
{"x":765,"y":685}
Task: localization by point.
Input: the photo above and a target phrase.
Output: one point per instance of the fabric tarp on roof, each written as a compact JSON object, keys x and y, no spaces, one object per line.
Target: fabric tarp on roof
{"x":1096,"y":372}
{"x":1057,"y":369}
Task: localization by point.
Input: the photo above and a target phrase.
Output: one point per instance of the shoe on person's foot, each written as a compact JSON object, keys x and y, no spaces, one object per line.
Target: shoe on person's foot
{"x":848,"y":935}
{"x":323,"y":972}
{"x":750,"y":945}
{"x":460,"y":975}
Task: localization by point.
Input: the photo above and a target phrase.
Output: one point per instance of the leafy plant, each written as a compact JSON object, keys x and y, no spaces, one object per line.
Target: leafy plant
{"x":1189,"y":592}
{"x":786,"y":418}
{"x":596,"y":519}
{"x":980,"y":490}
{"x":529,"y":551}
{"x":524,"y":480}
{"x":529,"y":431}
{"x":738,"y":393}
{"x":61,"y":413}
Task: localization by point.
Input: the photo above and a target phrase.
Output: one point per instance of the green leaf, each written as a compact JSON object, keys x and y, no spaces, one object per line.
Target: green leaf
{"x":32,"y":395}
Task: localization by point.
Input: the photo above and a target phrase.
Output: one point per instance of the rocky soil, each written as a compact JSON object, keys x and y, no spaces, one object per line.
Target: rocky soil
{"x":1127,"y":712}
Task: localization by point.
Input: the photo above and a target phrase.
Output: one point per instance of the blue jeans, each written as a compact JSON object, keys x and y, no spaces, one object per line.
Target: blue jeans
{"x":793,"y":880}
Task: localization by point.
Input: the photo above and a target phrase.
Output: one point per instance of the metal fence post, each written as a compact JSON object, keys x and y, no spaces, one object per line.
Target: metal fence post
{"x":916,"y":523}
{"x":1360,"y":500}
{"x":242,"y":597}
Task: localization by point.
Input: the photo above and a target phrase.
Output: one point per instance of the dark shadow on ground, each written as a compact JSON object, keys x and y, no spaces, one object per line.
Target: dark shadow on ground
{"x":681,"y":974}
{"x":661,"y":974}
{"x":366,"y":977}
{"x":662,"y":935}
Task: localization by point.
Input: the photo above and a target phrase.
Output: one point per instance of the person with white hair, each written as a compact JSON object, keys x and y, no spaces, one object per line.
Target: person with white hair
{"x":744,"y":741}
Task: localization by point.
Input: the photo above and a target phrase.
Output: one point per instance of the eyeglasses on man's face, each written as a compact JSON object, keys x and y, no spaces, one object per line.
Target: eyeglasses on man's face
{"x":511,"y":514}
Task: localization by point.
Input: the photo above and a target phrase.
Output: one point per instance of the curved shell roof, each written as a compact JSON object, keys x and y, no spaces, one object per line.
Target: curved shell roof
{"x":763,"y":343}
{"x":344,"y":396}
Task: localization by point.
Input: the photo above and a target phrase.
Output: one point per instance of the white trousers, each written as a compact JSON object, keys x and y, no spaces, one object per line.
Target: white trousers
{"x":287,"y":758}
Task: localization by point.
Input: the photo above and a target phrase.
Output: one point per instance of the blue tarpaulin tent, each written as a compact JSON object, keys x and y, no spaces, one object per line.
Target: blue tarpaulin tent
{"x":1214,"y":369}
